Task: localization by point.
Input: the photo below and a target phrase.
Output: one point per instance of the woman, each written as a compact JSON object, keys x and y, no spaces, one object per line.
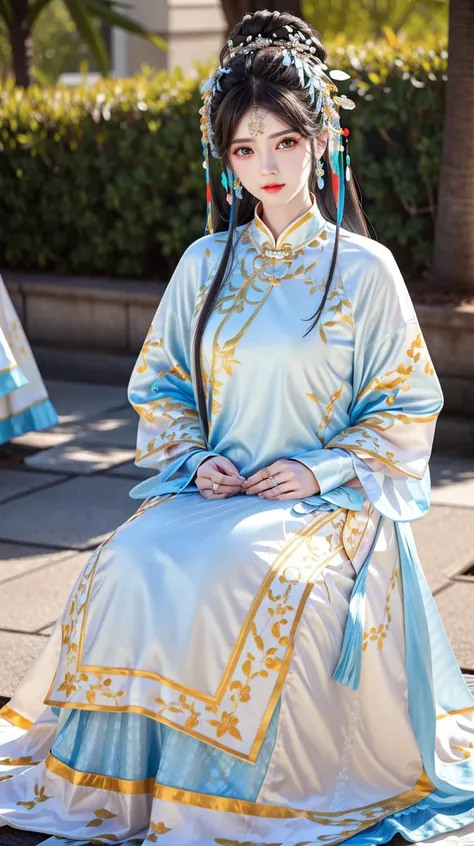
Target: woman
{"x":24,"y":403}
{"x":255,"y":656}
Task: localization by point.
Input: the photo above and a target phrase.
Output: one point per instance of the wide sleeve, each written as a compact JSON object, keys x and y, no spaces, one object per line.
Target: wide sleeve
{"x":170,"y":438}
{"x":396,"y":401}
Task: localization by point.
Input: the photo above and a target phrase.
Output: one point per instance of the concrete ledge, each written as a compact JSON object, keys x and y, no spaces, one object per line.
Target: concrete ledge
{"x":112,"y":316}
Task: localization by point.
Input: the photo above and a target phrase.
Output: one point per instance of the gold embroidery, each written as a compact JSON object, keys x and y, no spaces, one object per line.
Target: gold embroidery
{"x":18,"y":762}
{"x":99,"y":817}
{"x":465,"y":749}
{"x":157,"y":830}
{"x":340,"y":311}
{"x":235,"y":686}
{"x":40,"y":796}
{"x":329,"y":413}
{"x":395,"y":379}
{"x":378,"y":634}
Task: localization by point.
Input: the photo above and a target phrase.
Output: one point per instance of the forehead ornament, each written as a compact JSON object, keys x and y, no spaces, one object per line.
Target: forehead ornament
{"x":255,"y":125}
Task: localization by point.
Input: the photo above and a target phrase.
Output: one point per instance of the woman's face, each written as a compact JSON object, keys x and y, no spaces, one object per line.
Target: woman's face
{"x":265,"y":152}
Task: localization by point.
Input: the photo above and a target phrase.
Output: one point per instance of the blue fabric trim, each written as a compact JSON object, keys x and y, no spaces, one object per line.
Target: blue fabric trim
{"x":341,"y":497}
{"x":163,"y":484}
{"x":349,"y":665}
{"x":433,"y":815}
{"x":133,"y":747}
{"x":433,"y":675}
{"x":11,"y":381}
{"x":34,"y":419}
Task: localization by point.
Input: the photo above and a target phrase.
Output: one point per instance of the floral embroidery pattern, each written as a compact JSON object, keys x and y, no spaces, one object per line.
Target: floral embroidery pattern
{"x":329,"y":413}
{"x":466,"y":753}
{"x":157,"y":829}
{"x":263,"y":655}
{"x":378,"y":634}
{"x":339,"y":310}
{"x":18,"y":762}
{"x":40,"y":796}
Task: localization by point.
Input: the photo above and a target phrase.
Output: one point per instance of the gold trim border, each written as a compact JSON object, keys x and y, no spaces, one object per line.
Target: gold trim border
{"x":79,"y":778}
{"x":7,"y":713}
{"x":298,"y":538}
{"x":223,"y":804}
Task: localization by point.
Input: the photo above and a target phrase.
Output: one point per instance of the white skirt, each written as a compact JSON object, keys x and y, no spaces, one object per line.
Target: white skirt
{"x":186,"y":695}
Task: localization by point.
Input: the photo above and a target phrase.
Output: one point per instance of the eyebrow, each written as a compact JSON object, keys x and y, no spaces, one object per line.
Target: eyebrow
{"x":251,"y":140}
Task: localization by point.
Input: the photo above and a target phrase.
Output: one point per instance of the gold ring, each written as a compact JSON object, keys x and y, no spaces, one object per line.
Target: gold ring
{"x":265,"y":473}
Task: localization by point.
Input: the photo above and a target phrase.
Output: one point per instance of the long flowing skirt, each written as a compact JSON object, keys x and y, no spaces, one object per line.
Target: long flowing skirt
{"x":186,"y":696}
{"x":24,"y":403}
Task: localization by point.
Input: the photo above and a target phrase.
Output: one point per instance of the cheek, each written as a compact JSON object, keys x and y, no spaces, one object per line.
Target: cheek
{"x":244,"y":168}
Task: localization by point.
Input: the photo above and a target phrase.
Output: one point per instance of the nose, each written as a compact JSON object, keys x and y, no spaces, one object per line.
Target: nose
{"x":269,"y":165}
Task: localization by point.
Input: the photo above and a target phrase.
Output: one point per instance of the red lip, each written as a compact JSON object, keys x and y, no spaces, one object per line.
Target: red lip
{"x":273,"y":188}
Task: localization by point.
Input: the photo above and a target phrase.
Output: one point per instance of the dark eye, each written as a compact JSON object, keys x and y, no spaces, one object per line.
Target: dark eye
{"x":288,"y":143}
{"x":242,"y":151}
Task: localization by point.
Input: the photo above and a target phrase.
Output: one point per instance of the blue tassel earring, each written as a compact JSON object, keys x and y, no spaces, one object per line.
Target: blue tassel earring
{"x":320,"y":174}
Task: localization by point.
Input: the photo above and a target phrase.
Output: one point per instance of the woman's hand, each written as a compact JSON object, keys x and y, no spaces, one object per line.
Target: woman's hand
{"x":294,"y":481}
{"x":218,"y":478}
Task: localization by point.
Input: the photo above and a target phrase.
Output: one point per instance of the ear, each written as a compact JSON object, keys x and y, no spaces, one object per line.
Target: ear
{"x":321,"y":143}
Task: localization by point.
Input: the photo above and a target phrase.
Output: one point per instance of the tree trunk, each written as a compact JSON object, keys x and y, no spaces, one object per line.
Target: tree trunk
{"x":21,"y":44}
{"x":234,"y":10}
{"x":453,"y":264}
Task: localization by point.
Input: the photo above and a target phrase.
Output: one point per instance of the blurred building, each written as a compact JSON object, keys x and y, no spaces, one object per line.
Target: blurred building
{"x":193,"y":29}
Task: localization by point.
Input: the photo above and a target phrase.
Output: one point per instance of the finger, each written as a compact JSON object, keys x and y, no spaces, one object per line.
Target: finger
{"x":220,"y":479}
{"x":282,"y":477}
{"x":279,"y":490}
{"x":227,"y":466}
{"x":227,"y":491}
{"x":272,"y":469}
{"x":213,"y":472}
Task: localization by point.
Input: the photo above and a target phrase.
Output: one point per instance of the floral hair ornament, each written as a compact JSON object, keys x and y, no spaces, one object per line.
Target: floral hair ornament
{"x":300,"y":51}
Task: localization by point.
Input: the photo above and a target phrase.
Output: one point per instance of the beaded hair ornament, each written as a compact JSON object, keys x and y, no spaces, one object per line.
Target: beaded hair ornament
{"x":297,"y":50}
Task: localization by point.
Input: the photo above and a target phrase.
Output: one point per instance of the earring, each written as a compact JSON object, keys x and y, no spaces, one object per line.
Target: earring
{"x":238,"y":187}
{"x":346,"y":133}
{"x":320,"y":174}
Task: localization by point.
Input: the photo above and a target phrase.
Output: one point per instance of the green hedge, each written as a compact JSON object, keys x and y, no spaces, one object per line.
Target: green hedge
{"x":108,"y":180}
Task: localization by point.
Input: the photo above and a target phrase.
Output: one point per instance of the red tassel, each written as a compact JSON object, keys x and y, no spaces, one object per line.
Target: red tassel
{"x":208,"y":193}
{"x":335,"y":187}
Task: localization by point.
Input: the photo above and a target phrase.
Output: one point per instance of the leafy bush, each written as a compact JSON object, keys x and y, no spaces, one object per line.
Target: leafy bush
{"x":108,"y":180}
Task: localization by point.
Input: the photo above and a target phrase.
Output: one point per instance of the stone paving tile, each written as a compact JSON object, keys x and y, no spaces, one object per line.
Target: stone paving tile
{"x":76,"y":514}
{"x":455,"y":606}
{"x":117,"y":428}
{"x":16,"y":482}
{"x":81,"y":457}
{"x":34,"y":601}
{"x":78,"y":401}
{"x":17,"y":651}
{"x":131,"y":471}
{"x":17,"y":559}
{"x":452,"y":481}
{"x":445,"y":543}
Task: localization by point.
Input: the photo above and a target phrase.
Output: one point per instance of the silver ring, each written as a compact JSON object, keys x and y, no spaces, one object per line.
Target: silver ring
{"x":273,"y":481}
{"x":215,"y":485}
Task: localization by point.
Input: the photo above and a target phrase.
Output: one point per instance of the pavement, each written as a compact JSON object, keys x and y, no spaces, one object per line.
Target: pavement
{"x":67,"y":488}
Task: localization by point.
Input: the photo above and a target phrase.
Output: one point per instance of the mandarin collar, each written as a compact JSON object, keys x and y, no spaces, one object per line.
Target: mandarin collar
{"x":295,"y":236}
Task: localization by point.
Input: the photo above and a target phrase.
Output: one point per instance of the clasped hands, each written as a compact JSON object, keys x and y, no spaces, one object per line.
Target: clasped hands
{"x":218,"y":478}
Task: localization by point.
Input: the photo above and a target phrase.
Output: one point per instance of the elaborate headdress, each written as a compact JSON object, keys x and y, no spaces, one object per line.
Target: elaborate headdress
{"x":300,"y":51}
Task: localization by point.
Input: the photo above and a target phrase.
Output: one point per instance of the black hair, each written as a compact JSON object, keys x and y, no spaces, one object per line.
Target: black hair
{"x":262,"y":79}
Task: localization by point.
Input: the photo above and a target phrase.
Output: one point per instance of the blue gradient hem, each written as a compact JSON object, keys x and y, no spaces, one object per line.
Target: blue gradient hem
{"x":40,"y":416}
{"x":11,"y":380}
